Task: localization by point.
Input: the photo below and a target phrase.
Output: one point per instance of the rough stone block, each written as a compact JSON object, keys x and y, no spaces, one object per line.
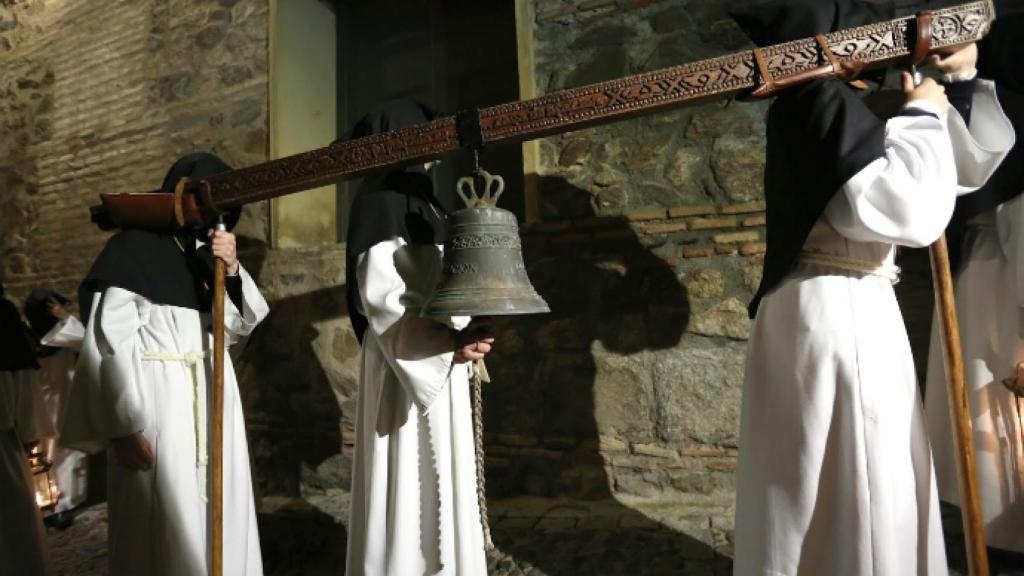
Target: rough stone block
{"x":697,"y":394}
{"x":623,"y":398}
{"x":727,"y":318}
{"x":705,"y":283}
{"x":738,"y":166}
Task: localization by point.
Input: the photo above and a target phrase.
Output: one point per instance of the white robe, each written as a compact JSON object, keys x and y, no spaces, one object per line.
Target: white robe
{"x":990,"y":306}
{"x":23,"y":548}
{"x":55,"y":374}
{"x":414,"y":492}
{"x":158,"y":518}
{"x":835,"y":475}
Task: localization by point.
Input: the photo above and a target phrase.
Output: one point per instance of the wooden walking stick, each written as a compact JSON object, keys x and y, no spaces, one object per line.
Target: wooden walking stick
{"x":952,"y":355}
{"x":217,"y":446}
{"x":959,"y":412}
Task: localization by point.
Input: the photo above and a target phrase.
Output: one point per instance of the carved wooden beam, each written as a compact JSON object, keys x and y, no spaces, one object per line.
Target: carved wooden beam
{"x":875,"y":45}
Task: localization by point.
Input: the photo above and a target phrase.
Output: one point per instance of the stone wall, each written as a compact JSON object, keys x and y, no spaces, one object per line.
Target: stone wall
{"x":649,"y":249}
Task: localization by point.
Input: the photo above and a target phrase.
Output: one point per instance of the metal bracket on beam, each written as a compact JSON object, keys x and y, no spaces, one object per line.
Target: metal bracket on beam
{"x":467,"y":125}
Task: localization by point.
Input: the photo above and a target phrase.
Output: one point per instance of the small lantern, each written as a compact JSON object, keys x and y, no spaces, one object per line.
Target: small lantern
{"x":47,"y":493}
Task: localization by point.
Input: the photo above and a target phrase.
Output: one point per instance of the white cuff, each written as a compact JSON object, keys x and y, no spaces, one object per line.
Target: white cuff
{"x":960,"y":76}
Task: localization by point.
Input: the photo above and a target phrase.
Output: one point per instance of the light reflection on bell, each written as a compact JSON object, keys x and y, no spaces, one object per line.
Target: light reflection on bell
{"x":484,"y":273}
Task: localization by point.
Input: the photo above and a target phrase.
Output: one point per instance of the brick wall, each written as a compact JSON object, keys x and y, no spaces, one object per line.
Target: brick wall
{"x":102,"y":96}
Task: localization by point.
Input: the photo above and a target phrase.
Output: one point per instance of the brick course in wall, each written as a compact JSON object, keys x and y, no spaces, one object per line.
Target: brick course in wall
{"x":102,"y":96}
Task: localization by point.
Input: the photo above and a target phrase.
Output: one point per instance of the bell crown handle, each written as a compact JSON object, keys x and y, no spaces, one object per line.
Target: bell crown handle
{"x":494,"y":185}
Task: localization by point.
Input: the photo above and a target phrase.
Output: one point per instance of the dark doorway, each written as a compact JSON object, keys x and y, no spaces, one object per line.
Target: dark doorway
{"x":450,"y":54}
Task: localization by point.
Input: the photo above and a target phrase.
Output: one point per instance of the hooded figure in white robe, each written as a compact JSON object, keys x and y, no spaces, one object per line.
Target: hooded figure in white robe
{"x":23,"y":548}
{"x":59,"y":342}
{"x":989,"y":288}
{"x":142,"y":377}
{"x":414,"y":485}
{"x":835,"y":474}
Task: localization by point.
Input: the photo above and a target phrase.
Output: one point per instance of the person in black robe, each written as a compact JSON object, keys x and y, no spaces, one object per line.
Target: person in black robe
{"x":23,"y":548}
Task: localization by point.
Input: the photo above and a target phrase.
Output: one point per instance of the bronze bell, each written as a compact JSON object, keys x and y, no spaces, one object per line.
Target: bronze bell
{"x":484,"y":273}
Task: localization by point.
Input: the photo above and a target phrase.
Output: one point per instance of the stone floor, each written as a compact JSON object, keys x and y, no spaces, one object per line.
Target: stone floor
{"x":533,"y":537}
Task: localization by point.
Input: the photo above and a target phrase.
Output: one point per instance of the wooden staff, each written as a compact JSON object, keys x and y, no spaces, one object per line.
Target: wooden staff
{"x":217,"y":446}
{"x":959,"y":412}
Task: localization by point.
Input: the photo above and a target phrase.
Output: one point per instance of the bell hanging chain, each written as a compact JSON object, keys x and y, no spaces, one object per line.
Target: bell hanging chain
{"x":760,"y":72}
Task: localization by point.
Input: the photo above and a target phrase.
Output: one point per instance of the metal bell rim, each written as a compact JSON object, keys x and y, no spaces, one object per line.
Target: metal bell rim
{"x":485,"y":303}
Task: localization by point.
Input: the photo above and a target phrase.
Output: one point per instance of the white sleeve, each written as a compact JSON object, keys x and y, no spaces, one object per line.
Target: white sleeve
{"x":238,"y":323}
{"x":68,"y":333}
{"x":419,"y":351}
{"x":906,"y":196}
{"x":106,"y":399}
{"x":980,"y":149}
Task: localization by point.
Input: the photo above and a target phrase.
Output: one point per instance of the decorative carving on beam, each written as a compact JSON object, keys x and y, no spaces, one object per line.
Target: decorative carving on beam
{"x":874,"y":45}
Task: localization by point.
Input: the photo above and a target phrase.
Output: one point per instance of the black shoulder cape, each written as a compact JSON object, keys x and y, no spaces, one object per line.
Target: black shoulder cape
{"x":165,"y":269}
{"x":15,"y":339}
{"x":397,"y":204}
{"x":37,"y":310}
{"x":160,"y":267}
{"x":40,"y":319}
{"x":819,"y":135}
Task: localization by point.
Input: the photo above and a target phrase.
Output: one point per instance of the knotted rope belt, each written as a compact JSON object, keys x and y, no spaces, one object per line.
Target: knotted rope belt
{"x":888,"y":271}
{"x":197,"y":374}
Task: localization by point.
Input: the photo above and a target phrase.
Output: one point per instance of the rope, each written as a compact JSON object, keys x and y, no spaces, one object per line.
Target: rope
{"x":479,"y":376}
{"x":889,"y":272}
{"x":197,"y":375}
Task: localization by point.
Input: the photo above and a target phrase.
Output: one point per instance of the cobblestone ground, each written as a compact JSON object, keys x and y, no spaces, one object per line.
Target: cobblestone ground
{"x":534,"y":537}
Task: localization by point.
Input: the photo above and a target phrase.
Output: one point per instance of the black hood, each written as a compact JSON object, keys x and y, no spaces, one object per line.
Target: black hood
{"x":16,"y":340}
{"x":819,"y":134}
{"x":165,"y":269}
{"x":197,"y":166}
{"x":37,"y":310}
{"x":779,"y":21}
{"x":395,"y":204}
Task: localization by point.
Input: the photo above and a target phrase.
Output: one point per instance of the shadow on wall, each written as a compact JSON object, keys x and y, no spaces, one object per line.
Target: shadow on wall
{"x":291,"y":412}
{"x":610,"y":298}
